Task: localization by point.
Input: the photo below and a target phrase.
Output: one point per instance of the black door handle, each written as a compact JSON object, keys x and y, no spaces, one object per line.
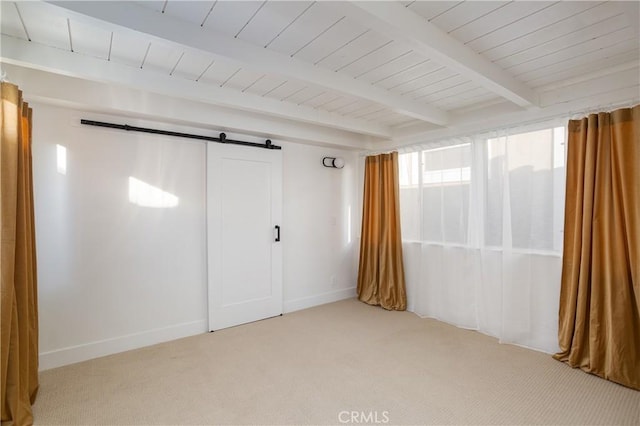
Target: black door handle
{"x":277,"y":233}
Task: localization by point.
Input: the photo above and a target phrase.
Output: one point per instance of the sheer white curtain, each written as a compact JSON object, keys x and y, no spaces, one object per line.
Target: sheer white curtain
{"x":482,"y":227}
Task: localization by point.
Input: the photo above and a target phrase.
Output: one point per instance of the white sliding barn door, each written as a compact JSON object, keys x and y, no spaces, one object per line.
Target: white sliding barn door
{"x":244,"y":212}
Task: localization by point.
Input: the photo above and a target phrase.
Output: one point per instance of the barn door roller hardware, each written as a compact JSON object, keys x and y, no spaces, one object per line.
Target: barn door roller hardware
{"x":221,"y":139}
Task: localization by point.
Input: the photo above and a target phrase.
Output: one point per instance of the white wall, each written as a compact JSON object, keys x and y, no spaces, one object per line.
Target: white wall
{"x":322,"y":222}
{"x":113,"y":276}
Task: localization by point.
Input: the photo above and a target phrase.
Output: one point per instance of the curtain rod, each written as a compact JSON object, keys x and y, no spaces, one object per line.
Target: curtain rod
{"x":221,"y":139}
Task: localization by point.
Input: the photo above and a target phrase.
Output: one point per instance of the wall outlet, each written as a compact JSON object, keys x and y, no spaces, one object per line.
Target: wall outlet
{"x":333,"y":281}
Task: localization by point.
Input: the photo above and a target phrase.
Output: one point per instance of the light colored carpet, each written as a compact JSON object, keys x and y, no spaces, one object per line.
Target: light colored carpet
{"x":310,"y":366}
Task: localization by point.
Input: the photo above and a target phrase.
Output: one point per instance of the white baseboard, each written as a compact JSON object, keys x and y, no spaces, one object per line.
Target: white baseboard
{"x":319,"y":299}
{"x":79,"y":353}
{"x":73,"y":354}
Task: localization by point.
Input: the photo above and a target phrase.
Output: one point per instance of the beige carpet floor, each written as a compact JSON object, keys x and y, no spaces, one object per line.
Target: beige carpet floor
{"x":319,"y":365}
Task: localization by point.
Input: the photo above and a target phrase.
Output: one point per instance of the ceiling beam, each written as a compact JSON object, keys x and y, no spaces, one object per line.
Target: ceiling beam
{"x":34,"y":55}
{"x":396,"y":21}
{"x":102,"y":101}
{"x":506,"y":114}
{"x":172,"y":30}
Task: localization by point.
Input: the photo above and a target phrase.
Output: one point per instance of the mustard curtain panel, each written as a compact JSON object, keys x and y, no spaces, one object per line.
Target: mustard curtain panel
{"x":599,"y":328}
{"x":381,"y":272}
{"x":19,"y":314}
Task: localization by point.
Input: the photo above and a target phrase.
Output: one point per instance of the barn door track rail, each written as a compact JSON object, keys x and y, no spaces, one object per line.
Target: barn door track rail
{"x":221,"y":139}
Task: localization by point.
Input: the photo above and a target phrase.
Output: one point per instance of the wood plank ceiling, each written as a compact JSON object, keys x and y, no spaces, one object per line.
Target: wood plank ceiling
{"x":349,"y":60}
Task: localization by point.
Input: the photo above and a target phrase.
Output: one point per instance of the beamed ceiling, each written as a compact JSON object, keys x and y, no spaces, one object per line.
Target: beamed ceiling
{"x":394,"y":72}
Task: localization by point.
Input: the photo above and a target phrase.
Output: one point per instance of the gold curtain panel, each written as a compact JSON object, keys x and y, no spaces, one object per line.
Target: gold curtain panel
{"x":599,"y":328}
{"x":381,"y":271}
{"x":19,"y":345}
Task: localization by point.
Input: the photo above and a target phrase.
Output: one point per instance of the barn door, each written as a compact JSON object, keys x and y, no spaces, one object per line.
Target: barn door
{"x":244,"y":212}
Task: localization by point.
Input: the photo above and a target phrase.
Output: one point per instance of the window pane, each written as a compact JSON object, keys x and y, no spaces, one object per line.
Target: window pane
{"x":455,"y":212}
{"x":446,"y":176}
{"x":559,"y":185}
{"x":408,"y":169}
{"x":493,"y":192}
{"x":530,"y":165}
{"x":534,"y":167}
{"x":432,"y":213}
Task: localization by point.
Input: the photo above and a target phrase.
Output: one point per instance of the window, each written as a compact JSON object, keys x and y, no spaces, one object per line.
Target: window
{"x":531,"y":166}
{"x":508,"y":192}
{"x":488,"y":214}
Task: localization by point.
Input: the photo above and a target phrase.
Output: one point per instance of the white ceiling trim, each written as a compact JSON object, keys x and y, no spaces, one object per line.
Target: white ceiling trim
{"x":172,"y":30}
{"x":394,"y":20}
{"x":34,"y":55}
